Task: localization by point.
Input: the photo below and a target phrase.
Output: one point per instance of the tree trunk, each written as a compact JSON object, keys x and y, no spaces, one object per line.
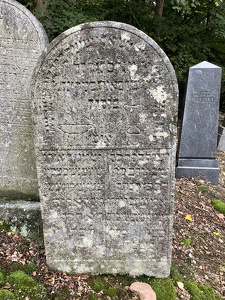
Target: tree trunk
{"x":159,"y":8}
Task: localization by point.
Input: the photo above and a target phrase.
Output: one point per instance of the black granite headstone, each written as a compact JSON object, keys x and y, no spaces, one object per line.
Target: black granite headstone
{"x":197,"y":153}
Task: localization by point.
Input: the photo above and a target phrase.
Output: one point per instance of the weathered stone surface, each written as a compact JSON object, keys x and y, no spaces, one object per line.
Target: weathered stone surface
{"x":105,"y":99}
{"x":221,"y":138}
{"x":23,"y":217}
{"x":144,"y":290}
{"x":22,"y":40}
{"x":197,"y":153}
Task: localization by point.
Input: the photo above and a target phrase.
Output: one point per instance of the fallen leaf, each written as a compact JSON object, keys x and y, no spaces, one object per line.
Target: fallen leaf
{"x":51,"y":281}
{"x":217,"y":233}
{"x":189,"y":218}
{"x":180,"y":285}
{"x":221,"y":216}
{"x":182,"y":192}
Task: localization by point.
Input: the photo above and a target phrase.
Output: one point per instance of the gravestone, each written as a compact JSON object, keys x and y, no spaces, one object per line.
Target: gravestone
{"x":105,"y":102}
{"x":22,"y":40}
{"x":197,"y":153}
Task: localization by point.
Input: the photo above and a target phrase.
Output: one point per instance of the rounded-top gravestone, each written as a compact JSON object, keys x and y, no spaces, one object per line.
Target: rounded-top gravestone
{"x":105,"y":102}
{"x":22,"y":40}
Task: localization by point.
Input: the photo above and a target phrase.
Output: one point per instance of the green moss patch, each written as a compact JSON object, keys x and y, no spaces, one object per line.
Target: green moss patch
{"x":2,"y":279}
{"x":24,"y":286}
{"x":200,"y":291}
{"x":203,"y":188}
{"x":4,"y":226}
{"x":99,"y":284}
{"x":28,"y":269}
{"x":6,"y":295}
{"x":219,"y":205}
{"x":163,"y":288}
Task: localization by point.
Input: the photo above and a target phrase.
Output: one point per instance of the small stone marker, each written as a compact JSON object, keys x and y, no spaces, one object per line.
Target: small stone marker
{"x":197,"y":153}
{"x":144,"y":290}
{"x":105,"y":99}
{"x":22,"y":39}
{"x":221,"y":138}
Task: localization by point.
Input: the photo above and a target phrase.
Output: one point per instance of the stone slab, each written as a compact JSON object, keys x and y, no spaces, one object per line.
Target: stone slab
{"x":22,"y":40}
{"x":200,"y":123}
{"x":221,"y":138}
{"x":23,"y":217}
{"x":105,"y":101}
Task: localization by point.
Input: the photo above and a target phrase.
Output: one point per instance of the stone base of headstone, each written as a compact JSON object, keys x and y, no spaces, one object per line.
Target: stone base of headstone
{"x":206,"y":169}
{"x":23,"y":217}
{"x":221,"y":138}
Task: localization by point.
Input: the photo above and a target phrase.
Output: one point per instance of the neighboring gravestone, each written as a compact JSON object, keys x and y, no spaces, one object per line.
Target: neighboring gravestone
{"x":197,"y":153}
{"x":105,"y":102}
{"x":22,"y":40}
{"x":221,"y":136}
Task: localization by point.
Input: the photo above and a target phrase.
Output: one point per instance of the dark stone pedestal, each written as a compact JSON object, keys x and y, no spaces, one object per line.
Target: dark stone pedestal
{"x":206,"y":169}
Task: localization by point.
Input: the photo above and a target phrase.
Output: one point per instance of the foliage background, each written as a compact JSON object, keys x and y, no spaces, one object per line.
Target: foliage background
{"x":189,"y":31}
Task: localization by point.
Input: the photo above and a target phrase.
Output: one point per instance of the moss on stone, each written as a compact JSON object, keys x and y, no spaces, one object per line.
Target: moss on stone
{"x":200,"y":291}
{"x":6,"y":295}
{"x":219,"y":205}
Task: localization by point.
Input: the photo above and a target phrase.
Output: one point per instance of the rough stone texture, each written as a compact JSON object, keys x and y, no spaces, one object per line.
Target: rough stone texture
{"x":23,"y":217}
{"x":22,"y":40}
{"x":144,"y":290}
{"x":197,"y":153}
{"x":105,"y":99}
{"x":221,"y":138}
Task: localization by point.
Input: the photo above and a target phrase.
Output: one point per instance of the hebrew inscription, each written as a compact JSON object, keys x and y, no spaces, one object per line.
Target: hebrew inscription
{"x":104,"y":103}
{"x":22,"y":39}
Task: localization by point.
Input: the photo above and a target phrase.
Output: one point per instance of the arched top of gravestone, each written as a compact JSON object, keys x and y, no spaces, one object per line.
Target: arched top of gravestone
{"x":109,"y":83}
{"x":20,"y":23}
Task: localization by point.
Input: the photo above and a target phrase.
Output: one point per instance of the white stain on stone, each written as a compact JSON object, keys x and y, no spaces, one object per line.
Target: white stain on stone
{"x":24,"y":231}
{"x":159,"y":94}
{"x":142,"y":162}
{"x":133,"y":70}
{"x":163,"y":151}
{"x":151,"y":138}
{"x":122,"y":204}
{"x":125,"y":36}
{"x":162,"y":134}
{"x":88,"y":241}
{"x":143,"y":117}
{"x":54,"y":215}
{"x":100,"y":144}
{"x":134,"y":187}
{"x":139,"y":46}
